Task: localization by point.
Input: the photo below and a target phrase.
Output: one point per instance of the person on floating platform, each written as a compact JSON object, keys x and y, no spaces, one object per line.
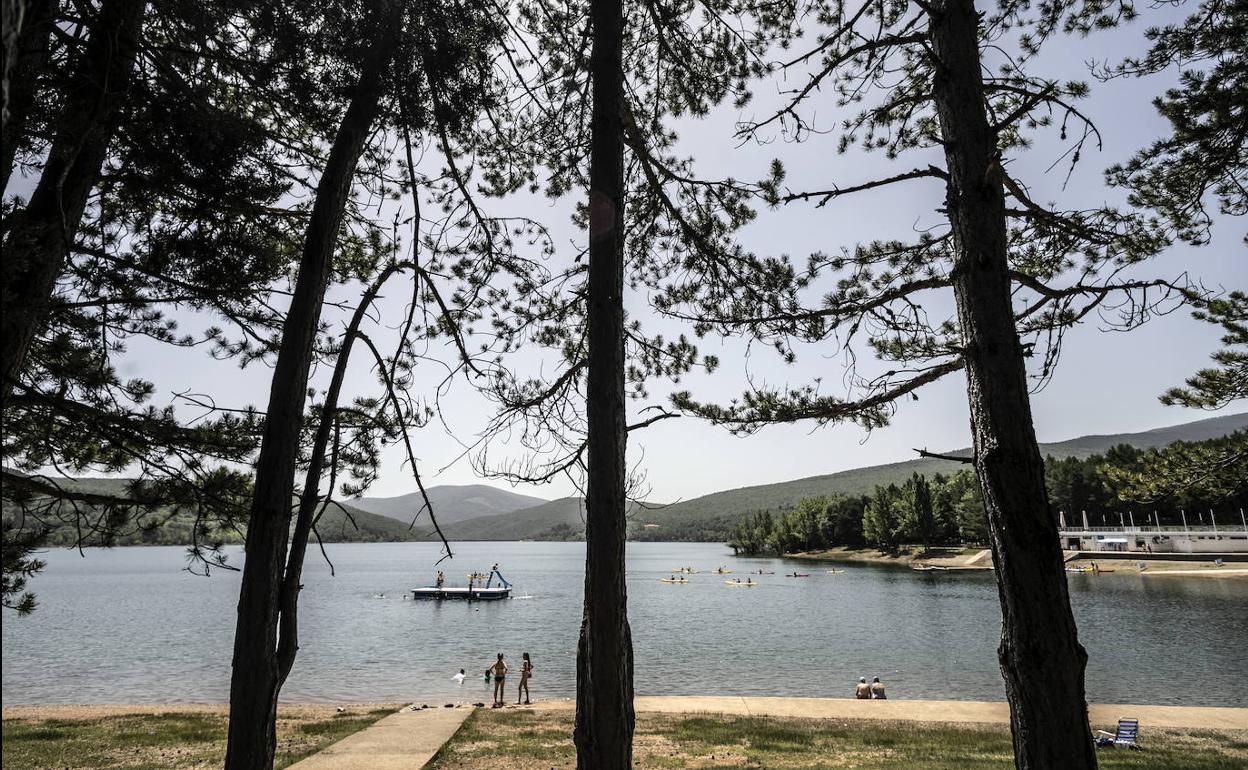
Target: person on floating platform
{"x":877,"y":689}
{"x":526,"y":671}
{"x":862,"y":690}
{"x":499,"y":670}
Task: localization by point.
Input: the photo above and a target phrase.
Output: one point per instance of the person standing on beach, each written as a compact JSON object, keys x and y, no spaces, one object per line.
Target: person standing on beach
{"x":877,"y":689}
{"x":499,"y":670}
{"x":862,"y":691}
{"x":526,"y":671}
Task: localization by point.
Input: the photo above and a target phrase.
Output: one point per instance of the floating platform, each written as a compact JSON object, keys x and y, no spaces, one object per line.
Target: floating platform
{"x":467,"y":594}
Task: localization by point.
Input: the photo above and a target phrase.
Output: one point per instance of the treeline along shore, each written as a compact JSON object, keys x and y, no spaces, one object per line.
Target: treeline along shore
{"x":948,"y":510}
{"x":932,"y":508}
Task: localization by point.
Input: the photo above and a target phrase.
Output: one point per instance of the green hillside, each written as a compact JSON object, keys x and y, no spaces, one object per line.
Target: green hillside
{"x":709,"y":516}
{"x":706,"y":517}
{"x":162,"y":528}
{"x":731,"y":504}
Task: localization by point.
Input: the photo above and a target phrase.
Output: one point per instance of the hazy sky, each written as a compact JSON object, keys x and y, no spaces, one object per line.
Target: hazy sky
{"x":1106,"y":382}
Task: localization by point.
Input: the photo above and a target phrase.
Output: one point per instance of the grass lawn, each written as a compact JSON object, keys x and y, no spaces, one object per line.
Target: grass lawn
{"x":177,"y":740}
{"x":541,"y":740}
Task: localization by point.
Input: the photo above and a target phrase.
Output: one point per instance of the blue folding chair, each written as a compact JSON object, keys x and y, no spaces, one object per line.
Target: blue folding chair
{"x":1128,"y":731}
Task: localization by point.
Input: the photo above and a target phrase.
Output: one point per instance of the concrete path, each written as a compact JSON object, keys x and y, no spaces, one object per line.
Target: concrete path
{"x":402,"y":741}
{"x":925,"y":711}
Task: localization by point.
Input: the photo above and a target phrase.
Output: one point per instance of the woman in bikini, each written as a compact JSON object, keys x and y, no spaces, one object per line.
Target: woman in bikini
{"x":526,"y":671}
{"x":499,"y":669}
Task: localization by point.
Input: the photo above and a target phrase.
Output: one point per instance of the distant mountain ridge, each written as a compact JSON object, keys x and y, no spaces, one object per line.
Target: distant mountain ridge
{"x":451,"y":503}
{"x":479,"y":512}
{"x":719,"y":508}
{"x":338,"y":524}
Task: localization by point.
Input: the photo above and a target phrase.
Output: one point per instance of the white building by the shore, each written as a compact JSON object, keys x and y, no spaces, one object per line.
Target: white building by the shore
{"x":1208,"y":538}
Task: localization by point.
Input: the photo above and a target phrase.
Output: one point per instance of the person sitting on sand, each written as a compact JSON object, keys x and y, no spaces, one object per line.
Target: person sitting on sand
{"x":862,"y":690}
{"x":877,"y":689}
{"x":526,"y":671}
{"x":499,"y":670}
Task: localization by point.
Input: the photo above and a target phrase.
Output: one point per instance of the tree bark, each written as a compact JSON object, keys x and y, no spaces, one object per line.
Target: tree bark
{"x":25,"y":57}
{"x":257,"y":675}
{"x":1040,"y":655}
{"x":38,"y":242}
{"x":604,"y":663}
{"x":309,"y":498}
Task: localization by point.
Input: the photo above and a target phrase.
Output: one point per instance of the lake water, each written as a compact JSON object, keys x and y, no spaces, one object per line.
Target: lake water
{"x":129,"y":625}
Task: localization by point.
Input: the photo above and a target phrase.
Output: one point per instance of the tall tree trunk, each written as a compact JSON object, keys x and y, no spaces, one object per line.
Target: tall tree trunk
{"x":309,"y":498}
{"x":1040,"y":655}
{"x":39,"y":240}
{"x":25,"y":57}
{"x":604,"y":663}
{"x":256,"y":678}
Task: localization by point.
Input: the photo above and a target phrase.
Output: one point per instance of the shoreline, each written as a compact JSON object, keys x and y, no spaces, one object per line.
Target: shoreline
{"x":980,"y":560}
{"x":932,"y":711}
{"x":970,"y":559}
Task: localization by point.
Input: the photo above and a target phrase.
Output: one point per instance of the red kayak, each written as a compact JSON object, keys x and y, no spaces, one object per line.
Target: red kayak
{"x":799,"y":574}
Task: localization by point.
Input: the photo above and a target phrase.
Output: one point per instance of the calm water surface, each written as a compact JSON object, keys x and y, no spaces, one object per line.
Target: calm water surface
{"x":129,"y":625}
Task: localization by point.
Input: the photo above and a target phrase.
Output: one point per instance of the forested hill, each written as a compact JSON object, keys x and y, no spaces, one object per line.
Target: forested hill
{"x":685,"y":519}
{"x":338,"y":524}
{"x":711,"y":516}
{"x":704,"y":518}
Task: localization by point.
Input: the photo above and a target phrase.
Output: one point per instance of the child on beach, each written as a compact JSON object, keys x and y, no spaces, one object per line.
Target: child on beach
{"x":526,"y":671}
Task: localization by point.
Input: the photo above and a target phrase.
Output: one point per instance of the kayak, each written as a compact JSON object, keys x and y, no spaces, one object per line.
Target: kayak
{"x":669,"y":580}
{"x":760,"y":572}
{"x":735,"y":584}
{"x":723,"y":572}
{"x":798,"y":574}
{"x":835,"y":571}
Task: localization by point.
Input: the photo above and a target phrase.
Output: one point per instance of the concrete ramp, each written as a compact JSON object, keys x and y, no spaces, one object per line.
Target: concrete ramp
{"x":403,"y":741}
